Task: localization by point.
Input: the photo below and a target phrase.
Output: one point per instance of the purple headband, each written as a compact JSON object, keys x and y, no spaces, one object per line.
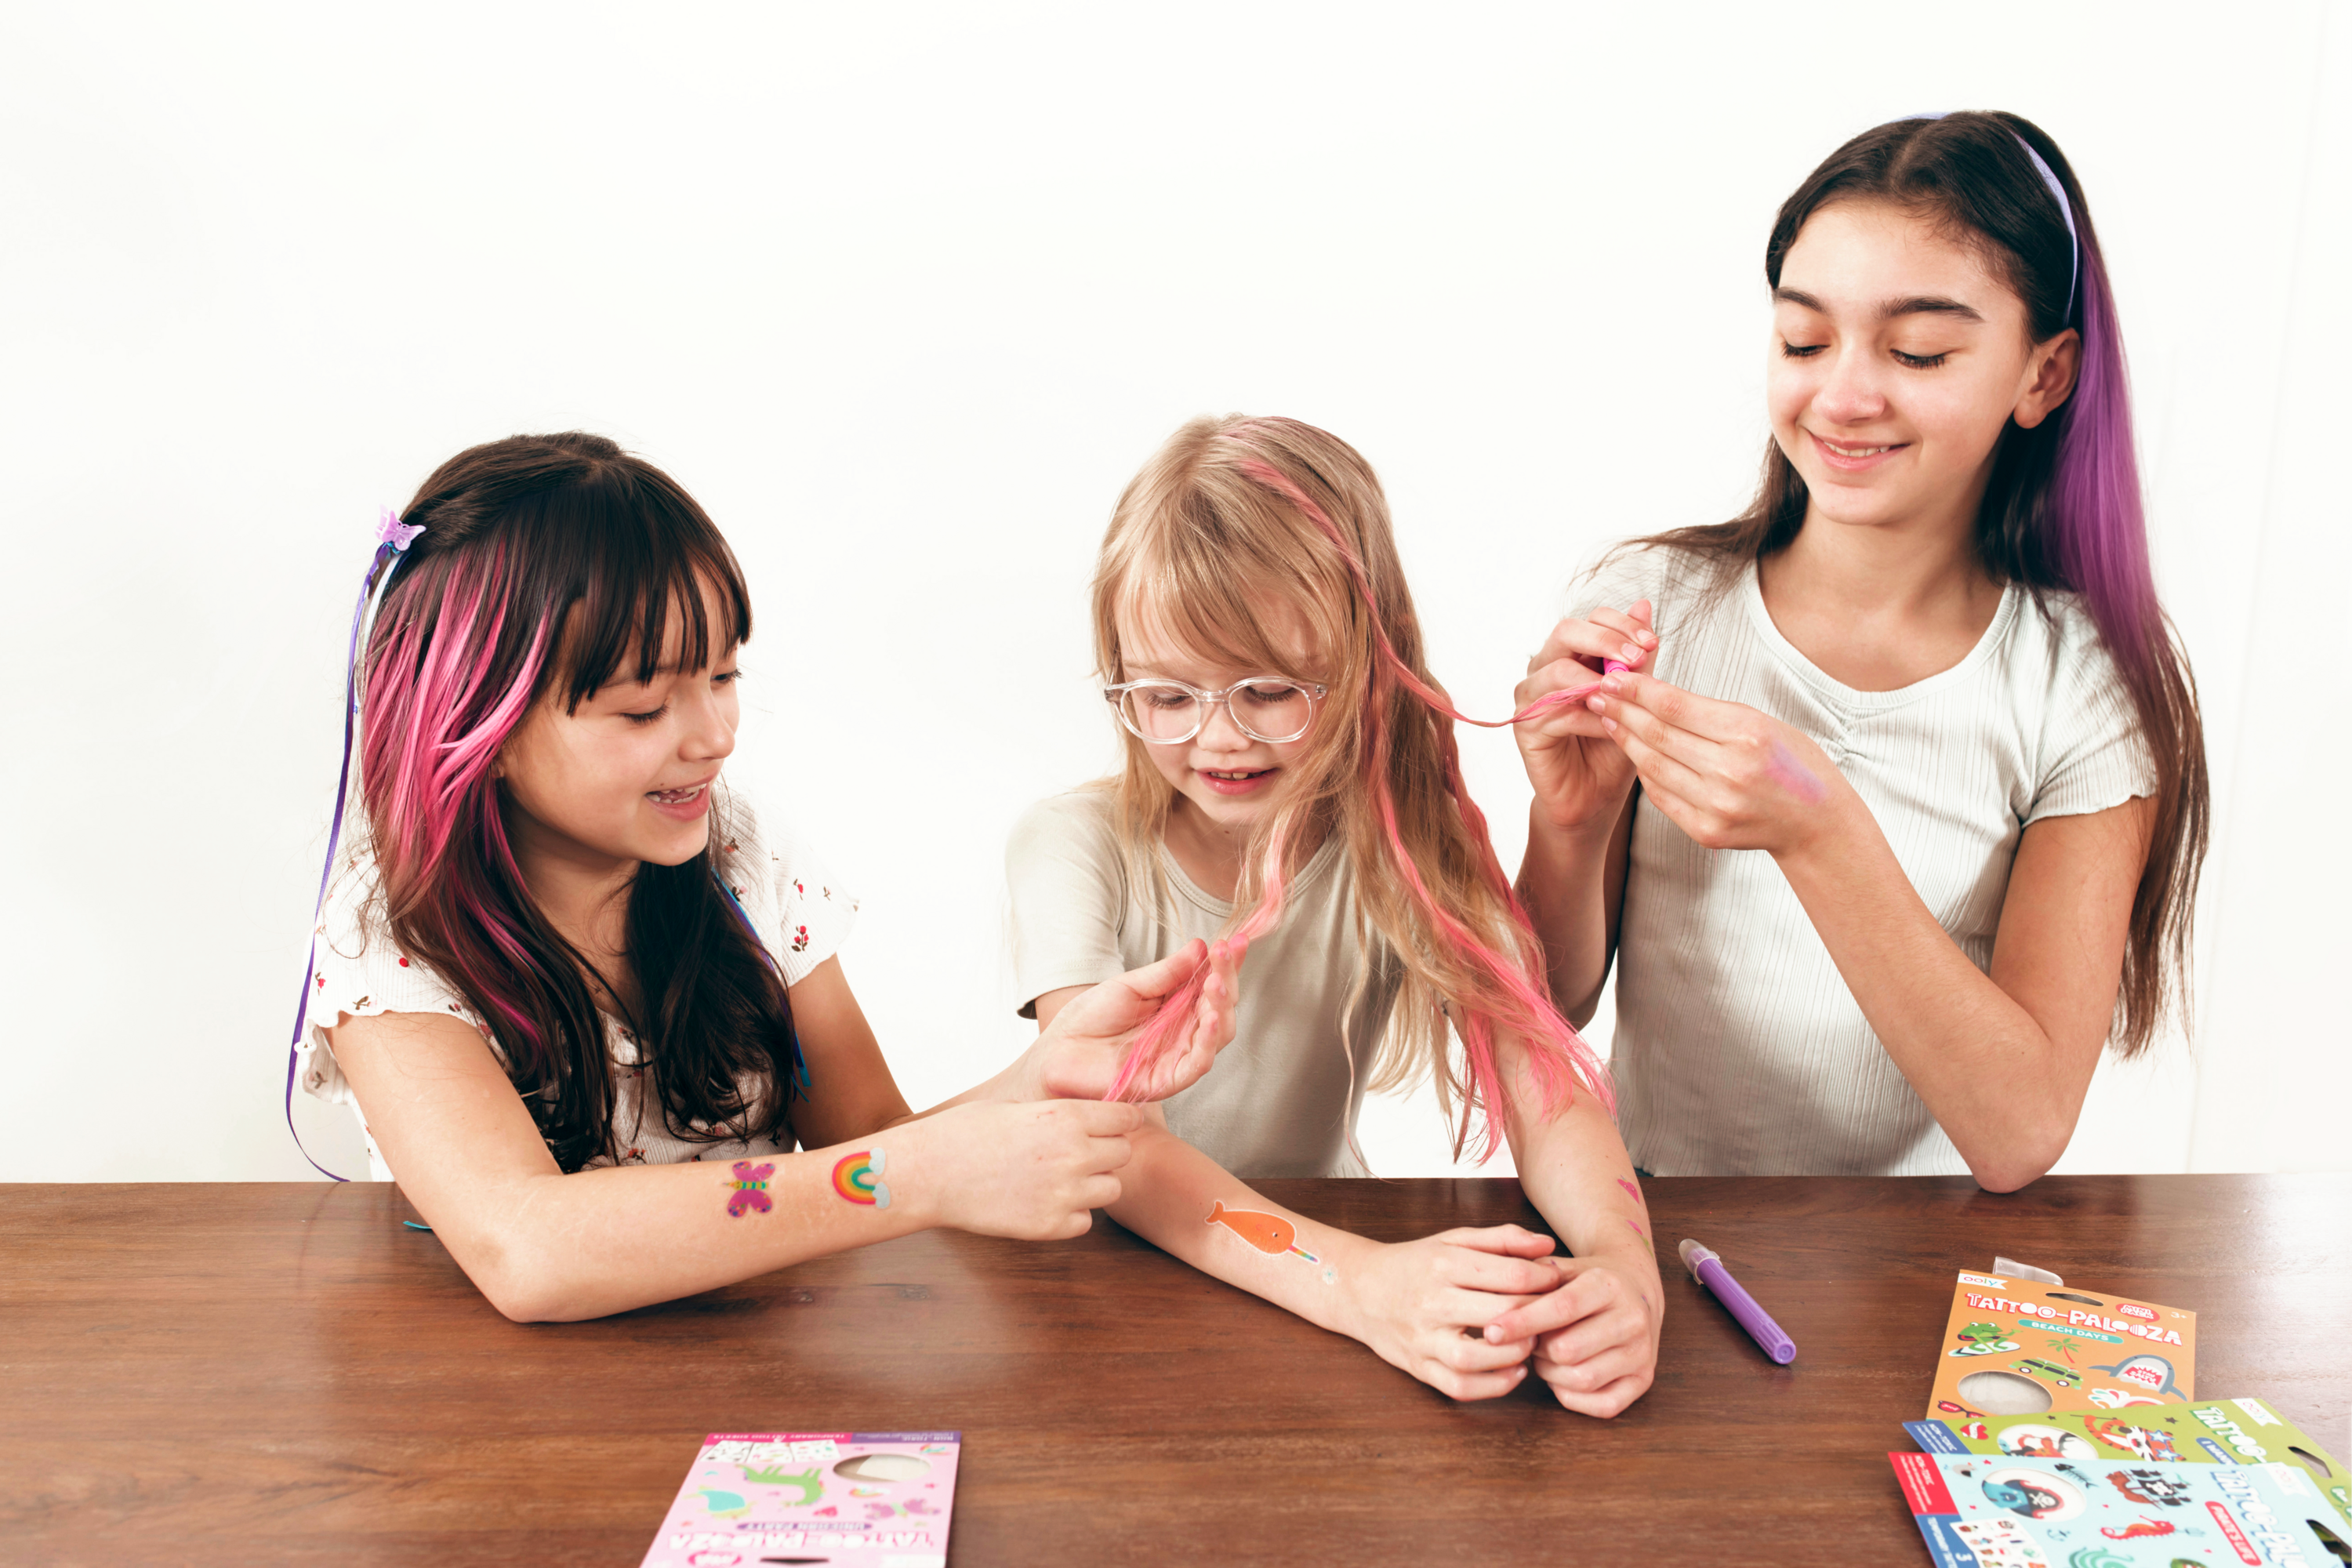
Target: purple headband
{"x":2065,"y":210}
{"x":393,"y":537}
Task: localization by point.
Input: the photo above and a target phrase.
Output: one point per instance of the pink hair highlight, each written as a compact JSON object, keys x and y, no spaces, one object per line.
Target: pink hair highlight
{"x":430,"y":737}
{"x":1555,"y":1054}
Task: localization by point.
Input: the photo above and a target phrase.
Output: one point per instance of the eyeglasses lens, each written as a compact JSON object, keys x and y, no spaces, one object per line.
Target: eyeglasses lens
{"x":1272,"y":710}
{"x":1162,"y":712}
{"x":1265,"y":710}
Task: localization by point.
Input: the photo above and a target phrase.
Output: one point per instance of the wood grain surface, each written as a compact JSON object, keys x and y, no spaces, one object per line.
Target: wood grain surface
{"x":283,"y":1373}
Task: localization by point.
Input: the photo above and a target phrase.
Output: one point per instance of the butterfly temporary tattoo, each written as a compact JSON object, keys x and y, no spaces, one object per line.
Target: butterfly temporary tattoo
{"x":751,"y":1194}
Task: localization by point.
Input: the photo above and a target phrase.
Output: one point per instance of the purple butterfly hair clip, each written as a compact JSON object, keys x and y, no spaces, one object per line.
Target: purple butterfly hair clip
{"x":393,"y":531}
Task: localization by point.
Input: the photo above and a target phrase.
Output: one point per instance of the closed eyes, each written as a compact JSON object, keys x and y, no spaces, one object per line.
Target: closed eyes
{"x":724,"y":678}
{"x":1909,"y":361}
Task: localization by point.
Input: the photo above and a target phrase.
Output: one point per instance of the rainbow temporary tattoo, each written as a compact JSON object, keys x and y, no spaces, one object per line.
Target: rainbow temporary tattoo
{"x":751,"y":1194}
{"x":858,"y":1179}
{"x":1270,"y":1234}
{"x":1632,"y":1191}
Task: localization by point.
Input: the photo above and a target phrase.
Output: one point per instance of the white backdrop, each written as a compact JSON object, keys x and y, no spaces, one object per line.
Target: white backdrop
{"x":904,"y":296}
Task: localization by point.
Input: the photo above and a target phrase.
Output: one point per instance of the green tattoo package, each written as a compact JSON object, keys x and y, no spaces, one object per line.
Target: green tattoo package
{"x":2210,"y":1432}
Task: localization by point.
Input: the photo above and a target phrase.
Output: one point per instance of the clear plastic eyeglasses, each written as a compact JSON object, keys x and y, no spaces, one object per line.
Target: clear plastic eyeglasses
{"x":1271,"y":708}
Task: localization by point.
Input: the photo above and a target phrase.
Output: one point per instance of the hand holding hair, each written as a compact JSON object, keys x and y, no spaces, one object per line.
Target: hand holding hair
{"x":1580,"y":780}
{"x":1078,"y":1054}
{"x":1727,"y":774}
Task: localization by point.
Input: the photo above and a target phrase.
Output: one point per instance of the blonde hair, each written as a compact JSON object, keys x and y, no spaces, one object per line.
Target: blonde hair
{"x":1233,"y":517}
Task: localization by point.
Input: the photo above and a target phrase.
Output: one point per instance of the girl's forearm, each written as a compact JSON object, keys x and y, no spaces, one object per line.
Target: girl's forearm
{"x":1016,"y":1083}
{"x":1563,"y":883}
{"x":1574,"y":1169}
{"x":1986,"y":1069}
{"x":1170,"y":1190}
{"x":568,"y":1248}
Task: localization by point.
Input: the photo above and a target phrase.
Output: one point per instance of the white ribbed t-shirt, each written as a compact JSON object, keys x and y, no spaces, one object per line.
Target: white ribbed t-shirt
{"x":1738,"y":1049}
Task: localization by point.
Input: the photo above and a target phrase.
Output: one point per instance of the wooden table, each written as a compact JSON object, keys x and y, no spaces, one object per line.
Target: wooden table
{"x":283,"y":1373}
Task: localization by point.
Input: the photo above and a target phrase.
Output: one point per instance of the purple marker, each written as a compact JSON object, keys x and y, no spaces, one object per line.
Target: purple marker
{"x":1708,"y":1270}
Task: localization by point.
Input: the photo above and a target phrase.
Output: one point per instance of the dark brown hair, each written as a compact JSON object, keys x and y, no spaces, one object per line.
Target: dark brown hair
{"x":547,"y":565}
{"x":2062,"y":511}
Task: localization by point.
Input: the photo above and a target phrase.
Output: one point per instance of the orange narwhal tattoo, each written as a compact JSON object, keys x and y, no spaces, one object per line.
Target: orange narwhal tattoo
{"x":1268,"y":1233}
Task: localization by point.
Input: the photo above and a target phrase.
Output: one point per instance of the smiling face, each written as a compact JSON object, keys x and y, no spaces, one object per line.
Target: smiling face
{"x":1898,"y":358}
{"x":627,"y":776}
{"x":1228,"y":778}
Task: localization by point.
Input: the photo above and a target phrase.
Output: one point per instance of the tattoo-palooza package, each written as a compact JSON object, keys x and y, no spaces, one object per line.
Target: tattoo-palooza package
{"x":852,"y":1499}
{"x":2016,"y":1348}
{"x":2063,"y":1431}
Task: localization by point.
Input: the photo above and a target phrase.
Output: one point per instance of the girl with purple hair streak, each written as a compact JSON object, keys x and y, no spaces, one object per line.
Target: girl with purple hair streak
{"x":1291,"y":779}
{"x":1895,"y":822}
{"x":587,"y":1001}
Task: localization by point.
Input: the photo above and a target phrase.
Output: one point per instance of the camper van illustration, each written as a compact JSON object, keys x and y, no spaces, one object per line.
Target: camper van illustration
{"x":2064,"y":1376}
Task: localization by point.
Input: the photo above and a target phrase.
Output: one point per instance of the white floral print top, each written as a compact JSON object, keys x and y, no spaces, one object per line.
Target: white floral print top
{"x":801,"y":913}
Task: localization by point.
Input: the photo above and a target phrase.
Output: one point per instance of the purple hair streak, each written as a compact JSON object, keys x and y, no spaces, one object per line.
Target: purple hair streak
{"x":2095,"y":493}
{"x":2062,"y":513}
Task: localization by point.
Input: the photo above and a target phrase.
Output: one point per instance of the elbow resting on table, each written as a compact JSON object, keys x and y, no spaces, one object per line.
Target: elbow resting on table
{"x":530,"y":1303}
{"x":527,"y":1280}
{"x":521,"y":1294}
{"x":2020,"y":1164}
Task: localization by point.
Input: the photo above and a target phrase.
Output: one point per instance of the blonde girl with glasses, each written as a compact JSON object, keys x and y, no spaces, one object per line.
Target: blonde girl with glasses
{"x":1291,"y":782}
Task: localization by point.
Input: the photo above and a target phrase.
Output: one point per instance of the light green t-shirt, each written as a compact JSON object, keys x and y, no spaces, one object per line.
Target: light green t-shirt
{"x":1284,"y":1096}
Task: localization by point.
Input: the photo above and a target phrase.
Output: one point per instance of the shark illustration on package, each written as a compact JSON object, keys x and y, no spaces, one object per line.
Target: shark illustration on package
{"x":2014,"y":1347}
{"x":851,"y":1500}
{"x":2007,"y":1511}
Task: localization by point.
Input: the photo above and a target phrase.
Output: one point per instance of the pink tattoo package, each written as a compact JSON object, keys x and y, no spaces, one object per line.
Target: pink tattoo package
{"x":849,"y":1500}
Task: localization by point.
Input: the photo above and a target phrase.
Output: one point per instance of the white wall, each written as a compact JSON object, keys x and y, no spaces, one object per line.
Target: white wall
{"x":904,"y":296}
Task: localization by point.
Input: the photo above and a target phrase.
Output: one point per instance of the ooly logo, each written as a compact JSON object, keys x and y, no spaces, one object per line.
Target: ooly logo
{"x":858,"y":1178}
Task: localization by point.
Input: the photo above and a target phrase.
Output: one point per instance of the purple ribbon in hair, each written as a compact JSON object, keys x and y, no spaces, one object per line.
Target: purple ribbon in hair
{"x":2065,"y":210}
{"x":393,"y":539}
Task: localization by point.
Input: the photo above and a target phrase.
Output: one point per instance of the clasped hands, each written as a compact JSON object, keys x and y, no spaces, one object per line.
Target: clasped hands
{"x":1471,"y":1311}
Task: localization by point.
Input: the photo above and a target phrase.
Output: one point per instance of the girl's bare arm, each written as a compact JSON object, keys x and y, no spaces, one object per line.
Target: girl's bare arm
{"x":1572,"y":884}
{"x":545,"y":1246}
{"x":1596,"y":1337}
{"x":1422,"y":1306}
{"x":2004,"y":1059}
{"x":1580,"y":822}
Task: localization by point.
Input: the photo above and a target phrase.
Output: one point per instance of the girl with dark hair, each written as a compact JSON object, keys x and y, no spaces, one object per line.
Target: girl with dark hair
{"x":586,"y":1003}
{"x":1925,"y":679}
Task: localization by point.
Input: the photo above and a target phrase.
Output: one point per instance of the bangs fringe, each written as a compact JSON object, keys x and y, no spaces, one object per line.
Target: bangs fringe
{"x":643,"y":552}
{"x":547,"y":565}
